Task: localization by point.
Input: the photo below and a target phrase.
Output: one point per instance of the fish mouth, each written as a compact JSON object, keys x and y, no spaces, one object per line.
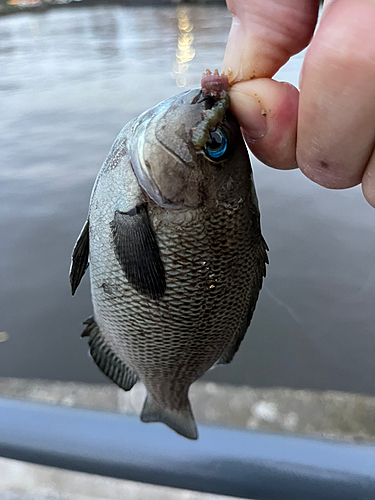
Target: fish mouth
{"x":202,"y":97}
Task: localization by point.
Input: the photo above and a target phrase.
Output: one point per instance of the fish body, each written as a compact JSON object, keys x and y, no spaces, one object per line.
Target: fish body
{"x":176,"y":255}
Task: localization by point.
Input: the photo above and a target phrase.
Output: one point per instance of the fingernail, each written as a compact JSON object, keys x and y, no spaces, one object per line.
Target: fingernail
{"x":250,"y":114}
{"x":232,"y":56}
{"x":256,"y":126}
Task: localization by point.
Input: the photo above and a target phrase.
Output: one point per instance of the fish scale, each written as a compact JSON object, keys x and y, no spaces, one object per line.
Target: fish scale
{"x":176,"y":257}
{"x":126,"y":321}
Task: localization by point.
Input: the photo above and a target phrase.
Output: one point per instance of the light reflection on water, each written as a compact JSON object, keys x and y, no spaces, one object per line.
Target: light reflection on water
{"x":70,"y":80}
{"x":185,"y":51}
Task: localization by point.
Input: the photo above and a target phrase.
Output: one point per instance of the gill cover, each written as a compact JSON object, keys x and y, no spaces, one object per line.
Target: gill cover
{"x":163,"y":157}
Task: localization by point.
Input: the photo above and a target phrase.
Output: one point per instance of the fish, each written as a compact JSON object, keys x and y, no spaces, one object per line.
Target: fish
{"x":175,"y":250}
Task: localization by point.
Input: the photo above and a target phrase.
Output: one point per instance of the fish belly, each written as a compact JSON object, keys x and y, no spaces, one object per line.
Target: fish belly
{"x":212,"y":265}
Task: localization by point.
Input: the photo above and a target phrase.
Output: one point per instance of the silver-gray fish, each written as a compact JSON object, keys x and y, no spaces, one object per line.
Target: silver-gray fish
{"x":176,"y":255}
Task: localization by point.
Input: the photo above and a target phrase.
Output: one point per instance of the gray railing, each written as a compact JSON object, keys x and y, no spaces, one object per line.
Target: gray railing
{"x":222,"y":461}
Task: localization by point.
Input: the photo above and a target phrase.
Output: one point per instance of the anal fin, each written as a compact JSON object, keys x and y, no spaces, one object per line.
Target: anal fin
{"x":181,"y":420}
{"x":106,"y":359}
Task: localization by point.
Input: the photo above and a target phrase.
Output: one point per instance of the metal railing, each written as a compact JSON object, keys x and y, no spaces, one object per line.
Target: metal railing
{"x":223,"y":461}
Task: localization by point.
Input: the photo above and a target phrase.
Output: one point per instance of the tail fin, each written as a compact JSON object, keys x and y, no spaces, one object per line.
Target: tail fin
{"x":182,"y":420}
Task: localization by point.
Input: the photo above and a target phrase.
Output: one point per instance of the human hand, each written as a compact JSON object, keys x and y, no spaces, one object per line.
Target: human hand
{"x":328,"y":129}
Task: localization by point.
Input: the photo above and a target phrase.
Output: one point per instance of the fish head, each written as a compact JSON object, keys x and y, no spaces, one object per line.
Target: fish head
{"x":174,"y":172}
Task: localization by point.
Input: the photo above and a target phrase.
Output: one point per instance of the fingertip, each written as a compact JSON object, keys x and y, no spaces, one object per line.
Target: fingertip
{"x":324,"y":172}
{"x":368,"y":184}
{"x":267,"y":112}
{"x":336,"y":108}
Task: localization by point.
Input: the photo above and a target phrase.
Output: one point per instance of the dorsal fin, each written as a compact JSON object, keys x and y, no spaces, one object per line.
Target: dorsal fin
{"x":80,"y":258}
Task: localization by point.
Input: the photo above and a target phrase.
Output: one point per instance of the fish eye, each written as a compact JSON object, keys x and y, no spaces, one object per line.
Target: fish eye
{"x":217,"y":146}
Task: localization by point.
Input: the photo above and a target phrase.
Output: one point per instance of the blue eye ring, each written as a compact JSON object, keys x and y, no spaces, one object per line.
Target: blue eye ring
{"x":216,"y":148}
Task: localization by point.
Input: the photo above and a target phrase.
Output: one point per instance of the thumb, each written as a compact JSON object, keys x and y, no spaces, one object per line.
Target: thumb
{"x":265,"y":34}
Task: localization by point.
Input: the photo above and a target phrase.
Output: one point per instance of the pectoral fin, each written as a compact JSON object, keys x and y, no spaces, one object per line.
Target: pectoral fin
{"x":80,"y":258}
{"x":138,"y":252}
